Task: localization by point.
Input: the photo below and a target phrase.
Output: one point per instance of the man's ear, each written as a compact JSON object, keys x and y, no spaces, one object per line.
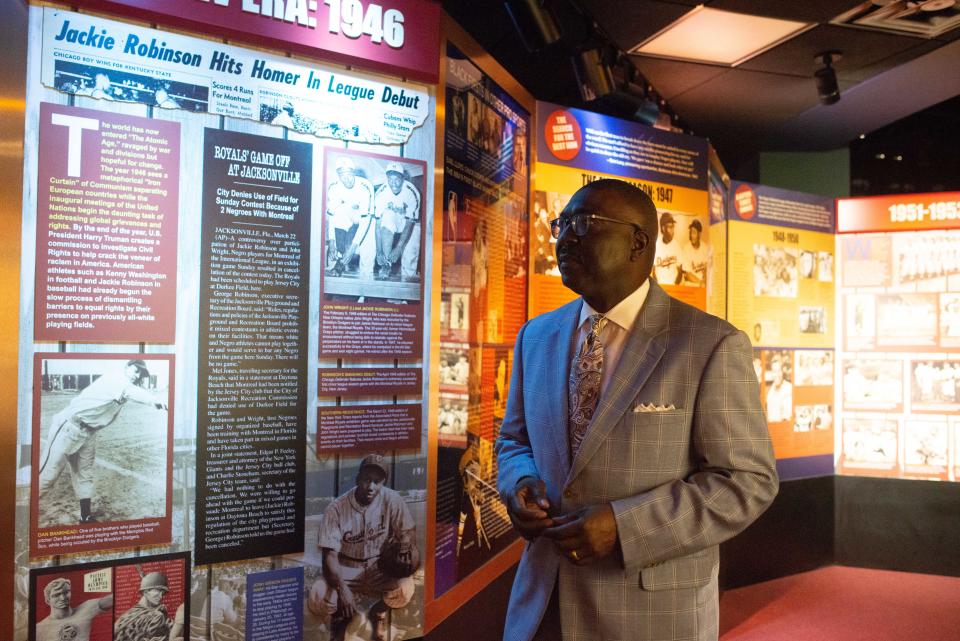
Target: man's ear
{"x":641,"y":241}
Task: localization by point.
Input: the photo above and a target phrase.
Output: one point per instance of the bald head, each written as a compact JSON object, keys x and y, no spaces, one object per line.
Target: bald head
{"x":615,"y":254}
{"x":633,"y":204}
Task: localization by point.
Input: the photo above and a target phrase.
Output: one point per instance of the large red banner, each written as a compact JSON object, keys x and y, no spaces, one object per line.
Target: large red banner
{"x":400,"y":37}
{"x":900,"y":212}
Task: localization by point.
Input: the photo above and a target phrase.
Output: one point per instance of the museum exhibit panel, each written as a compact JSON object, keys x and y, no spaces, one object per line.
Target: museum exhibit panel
{"x":265,"y":268}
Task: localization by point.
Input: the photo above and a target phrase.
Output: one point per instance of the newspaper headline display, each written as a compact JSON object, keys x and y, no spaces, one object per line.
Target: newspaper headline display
{"x":92,"y":56}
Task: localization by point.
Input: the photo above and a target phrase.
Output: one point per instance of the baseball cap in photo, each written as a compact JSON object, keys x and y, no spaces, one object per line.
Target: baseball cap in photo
{"x":395,"y":167}
{"x":696,"y":225}
{"x":375,"y":460}
{"x":666,"y":218}
{"x":141,"y":367}
{"x":344,"y":163}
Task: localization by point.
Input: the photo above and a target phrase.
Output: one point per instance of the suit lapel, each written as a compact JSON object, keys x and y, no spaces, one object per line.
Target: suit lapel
{"x":641,"y":353}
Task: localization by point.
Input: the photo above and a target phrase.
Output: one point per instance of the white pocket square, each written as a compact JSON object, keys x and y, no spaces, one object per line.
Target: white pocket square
{"x":650,"y":407}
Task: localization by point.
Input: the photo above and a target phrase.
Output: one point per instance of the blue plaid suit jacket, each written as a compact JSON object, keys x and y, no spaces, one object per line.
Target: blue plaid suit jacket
{"x":680,"y":481}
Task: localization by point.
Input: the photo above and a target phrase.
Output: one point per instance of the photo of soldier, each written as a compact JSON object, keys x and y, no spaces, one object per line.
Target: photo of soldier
{"x":148,"y":619}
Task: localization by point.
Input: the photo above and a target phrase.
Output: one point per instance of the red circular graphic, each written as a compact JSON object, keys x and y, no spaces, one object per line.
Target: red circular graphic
{"x":745,"y":202}
{"x":562,"y":135}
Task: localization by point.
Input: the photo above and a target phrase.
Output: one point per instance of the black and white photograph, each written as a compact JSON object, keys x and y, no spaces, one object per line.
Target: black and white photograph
{"x":861,"y":318}
{"x":907,"y":319}
{"x":922,"y":257}
{"x":370,"y":559}
{"x":778,"y":384}
{"x":872,"y":384}
{"x":926,"y":446}
{"x":808,"y":418}
{"x":825,"y":267}
{"x":950,"y":320}
{"x":808,"y":264}
{"x":775,"y":271}
{"x":459,"y":311}
{"x":812,"y":320}
{"x":935,"y":385}
{"x":452,"y":416}
{"x":373,"y":209}
{"x":546,"y":206}
{"x":870,"y":442}
{"x":115,"y":84}
{"x":454,"y":365}
{"x":814,"y":367}
{"x":103,"y":440}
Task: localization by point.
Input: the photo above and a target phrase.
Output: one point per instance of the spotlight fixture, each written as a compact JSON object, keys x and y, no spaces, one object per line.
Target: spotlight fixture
{"x":535,"y":22}
{"x":826,"y":77}
{"x":594,"y":76}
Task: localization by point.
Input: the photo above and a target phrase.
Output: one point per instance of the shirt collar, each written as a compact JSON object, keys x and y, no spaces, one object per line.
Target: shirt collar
{"x":623,"y":314}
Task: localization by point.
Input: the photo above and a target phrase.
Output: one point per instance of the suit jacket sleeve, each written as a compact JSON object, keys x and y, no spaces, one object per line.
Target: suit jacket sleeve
{"x":514,"y":453}
{"x":734,"y":477}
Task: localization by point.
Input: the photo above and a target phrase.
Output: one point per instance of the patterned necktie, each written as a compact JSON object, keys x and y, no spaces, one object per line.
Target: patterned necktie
{"x":585,"y":377}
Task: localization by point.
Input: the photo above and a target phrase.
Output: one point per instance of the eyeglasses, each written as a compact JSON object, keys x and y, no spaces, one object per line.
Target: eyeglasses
{"x":581,"y":223}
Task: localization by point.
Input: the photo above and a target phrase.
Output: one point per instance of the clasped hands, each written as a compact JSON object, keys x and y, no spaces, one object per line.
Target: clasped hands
{"x":584,"y":536}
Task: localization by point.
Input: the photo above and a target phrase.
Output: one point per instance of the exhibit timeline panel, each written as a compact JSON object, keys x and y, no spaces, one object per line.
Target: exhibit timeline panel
{"x":191,"y":265}
{"x":898,"y":299}
{"x":482,"y":306}
{"x":781,"y":293}
{"x":576,"y":147}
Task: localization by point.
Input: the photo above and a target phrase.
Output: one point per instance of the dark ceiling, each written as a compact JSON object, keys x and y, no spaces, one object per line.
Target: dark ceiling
{"x":767,"y":103}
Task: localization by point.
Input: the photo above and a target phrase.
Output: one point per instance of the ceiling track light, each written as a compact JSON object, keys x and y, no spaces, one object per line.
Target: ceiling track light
{"x":593,"y":74}
{"x":535,"y":23}
{"x":826,"y":77}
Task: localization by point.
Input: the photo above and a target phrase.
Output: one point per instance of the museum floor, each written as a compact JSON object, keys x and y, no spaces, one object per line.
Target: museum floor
{"x":844,"y":604}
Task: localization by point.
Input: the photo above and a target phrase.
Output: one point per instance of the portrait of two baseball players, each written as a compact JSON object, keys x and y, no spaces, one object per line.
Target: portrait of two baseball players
{"x":367,"y":540}
{"x":378,"y":225}
{"x":80,"y":413}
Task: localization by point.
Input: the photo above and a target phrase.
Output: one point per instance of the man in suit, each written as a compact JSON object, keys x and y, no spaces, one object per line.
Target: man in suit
{"x":633,"y":442}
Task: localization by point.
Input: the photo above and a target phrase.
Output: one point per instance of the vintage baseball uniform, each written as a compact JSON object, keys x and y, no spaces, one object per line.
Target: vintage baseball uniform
{"x":73,"y":431}
{"x":694,"y":260}
{"x":666,"y":265}
{"x":357,"y":533}
{"x":396,"y":211}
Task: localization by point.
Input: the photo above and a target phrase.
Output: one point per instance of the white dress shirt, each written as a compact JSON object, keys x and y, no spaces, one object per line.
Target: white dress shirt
{"x":620,"y":320}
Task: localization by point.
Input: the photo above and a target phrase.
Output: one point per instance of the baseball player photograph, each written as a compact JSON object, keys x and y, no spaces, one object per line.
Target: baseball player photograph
{"x":397,"y":205}
{"x":373,"y":231}
{"x":101,"y":433}
{"x":66,"y":622}
{"x":369,"y":555}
